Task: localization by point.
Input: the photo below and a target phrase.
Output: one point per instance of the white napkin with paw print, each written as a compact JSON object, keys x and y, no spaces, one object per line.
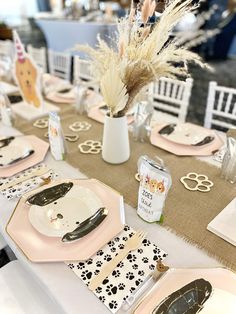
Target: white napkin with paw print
{"x":127,"y":276}
{"x":17,"y":190}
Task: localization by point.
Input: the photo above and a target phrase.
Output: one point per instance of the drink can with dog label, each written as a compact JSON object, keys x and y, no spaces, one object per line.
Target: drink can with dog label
{"x":155,"y":182}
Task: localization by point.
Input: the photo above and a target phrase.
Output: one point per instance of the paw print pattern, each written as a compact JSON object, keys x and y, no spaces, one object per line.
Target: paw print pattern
{"x":86,"y":274}
{"x":98,"y":290}
{"x":146,"y":242}
{"x":141,"y":273}
{"x":89,"y":261}
{"x":138,"y":281}
{"x":98,"y":263}
{"x":116,"y":273}
{"x":151,"y":267}
{"x":107,"y":257}
{"x":156,"y":250}
{"x":100,"y":253}
{"x":157,"y":257}
{"x":135,"y":266}
{"x":120,"y":265}
{"x":102,"y":298}
{"x":105,"y":281}
{"x":131,"y":258}
{"x":111,"y":243}
{"x":130,"y":275}
{"x":113,"y":305}
{"x":81,"y":265}
{"x":90,"y":147}
{"x":111,"y":289}
{"x":202,"y":183}
{"x":126,"y":228}
{"x":121,"y":286}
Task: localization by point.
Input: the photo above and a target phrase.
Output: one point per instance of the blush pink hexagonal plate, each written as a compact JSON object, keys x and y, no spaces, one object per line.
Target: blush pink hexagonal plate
{"x":183,"y":149}
{"x":220,"y":279}
{"x":40,"y":149}
{"x":40,"y":248}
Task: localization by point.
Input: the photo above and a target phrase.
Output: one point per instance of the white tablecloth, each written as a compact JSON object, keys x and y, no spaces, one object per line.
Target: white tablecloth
{"x":62,"y":284}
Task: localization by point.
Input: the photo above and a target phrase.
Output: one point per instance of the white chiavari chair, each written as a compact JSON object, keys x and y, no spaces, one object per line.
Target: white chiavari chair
{"x":171,"y":97}
{"x":39,"y":55}
{"x":221,"y":107}
{"x":82,"y":72}
{"x":7,"y":48}
{"x":59,"y":64}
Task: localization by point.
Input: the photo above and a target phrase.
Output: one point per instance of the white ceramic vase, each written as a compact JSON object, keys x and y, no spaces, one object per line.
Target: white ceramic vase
{"x":115,"y":146}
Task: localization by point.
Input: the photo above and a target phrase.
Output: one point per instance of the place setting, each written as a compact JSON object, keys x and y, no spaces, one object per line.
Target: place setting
{"x":56,"y":222}
{"x":19,"y":153}
{"x":186,"y":139}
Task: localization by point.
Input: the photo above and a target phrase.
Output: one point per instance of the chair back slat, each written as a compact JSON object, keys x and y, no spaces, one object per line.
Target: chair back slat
{"x":220,"y":101}
{"x":82,"y":72}
{"x":180,"y":92}
{"x":228,"y":102}
{"x":168,"y":89}
{"x":39,"y":56}
{"x":60,"y":64}
{"x":174,"y":91}
{"x":162,"y":88}
{"x":234,"y":112}
{"x":221,"y":107}
{"x":171,"y":96}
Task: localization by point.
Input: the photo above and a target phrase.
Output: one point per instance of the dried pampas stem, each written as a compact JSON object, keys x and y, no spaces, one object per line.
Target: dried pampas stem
{"x":141,"y":56}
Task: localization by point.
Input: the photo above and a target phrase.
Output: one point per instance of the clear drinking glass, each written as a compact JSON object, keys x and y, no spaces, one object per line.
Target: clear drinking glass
{"x":80,"y":103}
{"x":141,"y":124}
{"x":228,"y":169}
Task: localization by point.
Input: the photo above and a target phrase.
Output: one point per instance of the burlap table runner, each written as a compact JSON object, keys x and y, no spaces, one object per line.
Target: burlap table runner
{"x":186,"y":213}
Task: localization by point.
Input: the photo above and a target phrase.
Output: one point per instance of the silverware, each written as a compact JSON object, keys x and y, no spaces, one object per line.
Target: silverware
{"x":132,"y":243}
{"x":31,"y":175}
{"x":86,"y":226}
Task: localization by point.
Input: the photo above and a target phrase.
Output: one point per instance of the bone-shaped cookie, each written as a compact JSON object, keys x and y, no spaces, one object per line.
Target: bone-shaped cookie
{"x":79,"y":126}
{"x":41,"y":123}
{"x":90,"y":147}
{"x":68,"y":137}
{"x":203,"y":183}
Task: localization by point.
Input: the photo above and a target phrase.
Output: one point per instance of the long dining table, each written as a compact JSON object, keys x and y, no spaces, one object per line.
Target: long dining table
{"x":57,"y":279}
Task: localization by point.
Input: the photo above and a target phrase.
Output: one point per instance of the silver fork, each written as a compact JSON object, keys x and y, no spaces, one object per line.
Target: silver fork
{"x":132,"y":244}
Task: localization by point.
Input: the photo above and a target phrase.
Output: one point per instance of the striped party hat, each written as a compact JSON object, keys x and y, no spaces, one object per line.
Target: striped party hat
{"x":19,"y":48}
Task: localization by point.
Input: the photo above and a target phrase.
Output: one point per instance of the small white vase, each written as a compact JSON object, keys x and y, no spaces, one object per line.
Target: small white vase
{"x":115,"y":146}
